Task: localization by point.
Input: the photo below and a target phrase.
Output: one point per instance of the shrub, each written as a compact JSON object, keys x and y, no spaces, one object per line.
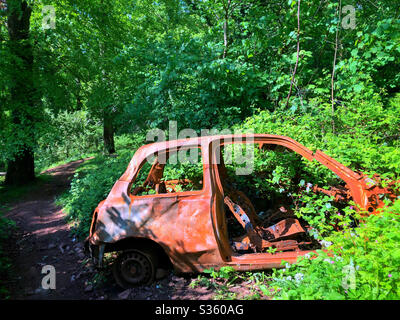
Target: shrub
{"x":361,"y":263}
{"x":366,"y":132}
{"x":67,"y":136}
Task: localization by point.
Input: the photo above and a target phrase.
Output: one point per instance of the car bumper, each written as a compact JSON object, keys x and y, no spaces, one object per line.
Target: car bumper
{"x":95,"y":252}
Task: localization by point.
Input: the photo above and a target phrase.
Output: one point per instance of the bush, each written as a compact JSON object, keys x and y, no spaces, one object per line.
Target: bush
{"x":67,"y":136}
{"x":361,"y":263}
{"x":366,"y":132}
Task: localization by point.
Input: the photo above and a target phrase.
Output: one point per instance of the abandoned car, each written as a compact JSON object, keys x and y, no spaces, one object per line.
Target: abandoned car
{"x":196,"y":216}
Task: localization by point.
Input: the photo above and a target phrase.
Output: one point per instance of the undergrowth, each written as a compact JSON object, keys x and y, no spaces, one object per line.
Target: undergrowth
{"x":6,"y":228}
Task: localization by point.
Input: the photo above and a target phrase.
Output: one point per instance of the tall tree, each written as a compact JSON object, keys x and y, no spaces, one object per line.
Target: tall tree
{"x":20,"y":167}
{"x":97,"y":33}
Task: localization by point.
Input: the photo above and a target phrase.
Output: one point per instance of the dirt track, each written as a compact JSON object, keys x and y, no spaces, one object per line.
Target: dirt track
{"x":43,"y":238}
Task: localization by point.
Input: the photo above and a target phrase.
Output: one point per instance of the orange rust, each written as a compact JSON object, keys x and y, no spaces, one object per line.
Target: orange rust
{"x":191,"y":226}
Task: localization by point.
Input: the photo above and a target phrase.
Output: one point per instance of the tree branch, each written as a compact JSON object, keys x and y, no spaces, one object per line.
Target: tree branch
{"x":338,"y":12}
{"x":298,"y":52}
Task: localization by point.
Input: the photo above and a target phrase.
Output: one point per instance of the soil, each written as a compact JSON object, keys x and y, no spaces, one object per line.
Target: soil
{"x":43,"y":237}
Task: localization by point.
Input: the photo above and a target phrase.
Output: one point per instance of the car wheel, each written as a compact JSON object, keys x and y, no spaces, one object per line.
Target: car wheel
{"x":134,"y":268}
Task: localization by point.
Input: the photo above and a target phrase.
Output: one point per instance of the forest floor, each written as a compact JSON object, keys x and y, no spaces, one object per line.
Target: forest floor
{"x":43,"y":237}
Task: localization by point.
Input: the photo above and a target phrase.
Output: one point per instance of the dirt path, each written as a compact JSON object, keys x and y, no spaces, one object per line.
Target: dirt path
{"x":44,"y":238}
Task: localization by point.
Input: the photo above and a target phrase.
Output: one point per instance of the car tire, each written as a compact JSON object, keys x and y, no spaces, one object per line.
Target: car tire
{"x":135,"y":267}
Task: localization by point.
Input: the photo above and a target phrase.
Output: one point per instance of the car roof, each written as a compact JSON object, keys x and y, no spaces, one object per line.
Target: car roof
{"x":204,"y":140}
{"x":149,"y":149}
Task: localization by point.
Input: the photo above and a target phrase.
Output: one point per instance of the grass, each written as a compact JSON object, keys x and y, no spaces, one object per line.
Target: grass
{"x":91,"y":165}
{"x":39,"y":169}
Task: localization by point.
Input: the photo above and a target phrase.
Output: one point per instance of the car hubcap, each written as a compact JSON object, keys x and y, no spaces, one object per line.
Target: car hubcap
{"x":136,"y":268}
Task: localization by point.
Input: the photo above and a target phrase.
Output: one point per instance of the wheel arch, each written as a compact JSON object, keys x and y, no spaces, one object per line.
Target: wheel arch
{"x":138,"y":243}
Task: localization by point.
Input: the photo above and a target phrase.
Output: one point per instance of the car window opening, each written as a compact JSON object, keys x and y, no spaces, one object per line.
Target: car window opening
{"x":256,"y":221}
{"x":170,"y":172}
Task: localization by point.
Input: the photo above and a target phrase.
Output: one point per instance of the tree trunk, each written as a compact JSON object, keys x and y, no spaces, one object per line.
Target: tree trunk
{"x":20,"y":170}
{"x":298,"y":53}
{"x":338,"y":11}
{"x":108,"y":133}
{"x":226,"y":27}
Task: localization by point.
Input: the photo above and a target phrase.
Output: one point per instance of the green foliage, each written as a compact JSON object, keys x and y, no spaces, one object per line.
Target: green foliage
{"x":6,"y":228}
{"x":274,"y":173}
{"x":97,"y":60}
{"x":192,"y":170}
{"x":365,"y":140}
{"x":221,"y":281}
{"x":366,"y":136}
{"x":321,"y":212}
{"x":254,"y":284}
{"x":67,"y":136}
{"x":227,"y":273}
{"x":371,"y":252}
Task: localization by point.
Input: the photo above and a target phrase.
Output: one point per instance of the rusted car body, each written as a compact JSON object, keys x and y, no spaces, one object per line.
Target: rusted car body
{"x":190,"y":227}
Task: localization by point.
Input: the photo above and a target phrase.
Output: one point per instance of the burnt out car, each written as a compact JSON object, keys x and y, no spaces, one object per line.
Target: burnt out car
{"x":193,"y":215}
